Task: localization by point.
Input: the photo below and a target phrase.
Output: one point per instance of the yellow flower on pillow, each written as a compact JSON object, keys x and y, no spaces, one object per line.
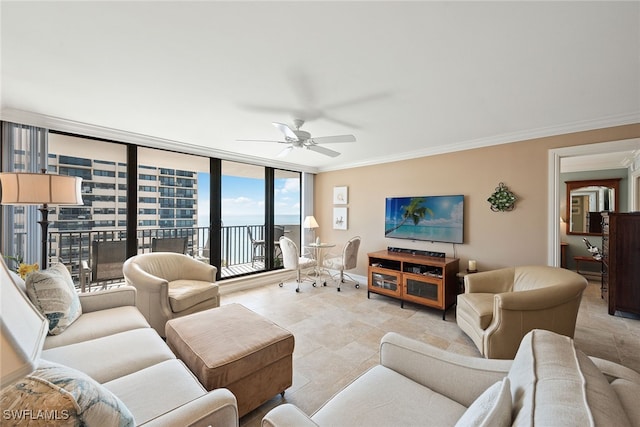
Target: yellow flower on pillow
{"x":24,"y":269}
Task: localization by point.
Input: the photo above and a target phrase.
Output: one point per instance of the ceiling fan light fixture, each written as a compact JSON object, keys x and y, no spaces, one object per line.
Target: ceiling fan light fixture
{"x":297,"y":138}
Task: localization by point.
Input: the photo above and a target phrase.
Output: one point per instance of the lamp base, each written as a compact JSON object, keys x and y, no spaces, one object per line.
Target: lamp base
{"x":44,"y":224}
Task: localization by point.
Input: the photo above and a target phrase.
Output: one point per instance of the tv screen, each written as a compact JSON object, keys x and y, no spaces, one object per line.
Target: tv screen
{"x":430,"y":218}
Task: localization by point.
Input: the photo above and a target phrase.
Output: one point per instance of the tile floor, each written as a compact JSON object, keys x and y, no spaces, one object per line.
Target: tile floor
{"x":337,"y":334}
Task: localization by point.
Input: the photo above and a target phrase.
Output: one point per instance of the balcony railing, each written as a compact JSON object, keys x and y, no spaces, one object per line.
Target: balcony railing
{"x":73,"y":247}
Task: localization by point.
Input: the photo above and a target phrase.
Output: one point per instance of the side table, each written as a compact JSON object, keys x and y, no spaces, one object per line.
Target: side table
{"x":318,"y":249}
{"x":461,"y":275}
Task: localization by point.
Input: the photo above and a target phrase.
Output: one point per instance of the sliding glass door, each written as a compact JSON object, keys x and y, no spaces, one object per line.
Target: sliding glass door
{"x":242,"y":237}
{"x":286,"y":207}
{"x":259,"y":205}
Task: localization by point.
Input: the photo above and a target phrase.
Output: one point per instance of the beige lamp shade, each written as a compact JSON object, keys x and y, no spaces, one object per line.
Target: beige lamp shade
{"x":40,"y":188}
{"x":310,"y":222}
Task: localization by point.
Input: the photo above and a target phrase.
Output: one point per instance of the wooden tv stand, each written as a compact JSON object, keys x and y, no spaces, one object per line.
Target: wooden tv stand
{"x":429,"y":281}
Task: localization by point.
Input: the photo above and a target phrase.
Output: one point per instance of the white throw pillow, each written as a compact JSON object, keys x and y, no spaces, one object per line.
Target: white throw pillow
{"x":54,"y":295}
{"x":56,"y":395}
{"x":491,"y":409}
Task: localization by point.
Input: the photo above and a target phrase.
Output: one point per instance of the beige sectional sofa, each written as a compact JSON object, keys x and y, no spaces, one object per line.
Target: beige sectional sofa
{"x":549,"y":383}
{"x":113,"y":343}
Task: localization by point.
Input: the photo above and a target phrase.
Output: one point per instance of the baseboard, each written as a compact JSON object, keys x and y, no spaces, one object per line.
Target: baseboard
{"x":269,"y":278}
{"x":253,"y":281}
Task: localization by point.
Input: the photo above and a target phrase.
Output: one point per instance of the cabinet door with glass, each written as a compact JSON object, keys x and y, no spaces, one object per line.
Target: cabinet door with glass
{"x":423,"y":290}
{"x":384,"y":281}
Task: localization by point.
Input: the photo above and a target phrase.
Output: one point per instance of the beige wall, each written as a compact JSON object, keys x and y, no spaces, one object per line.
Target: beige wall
{"x":494,"y":239}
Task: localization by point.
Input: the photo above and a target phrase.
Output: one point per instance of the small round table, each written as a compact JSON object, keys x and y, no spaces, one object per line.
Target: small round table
{"x":318,"y":249}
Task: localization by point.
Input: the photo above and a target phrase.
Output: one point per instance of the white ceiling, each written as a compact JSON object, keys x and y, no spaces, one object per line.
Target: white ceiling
{"x":406,"y":78}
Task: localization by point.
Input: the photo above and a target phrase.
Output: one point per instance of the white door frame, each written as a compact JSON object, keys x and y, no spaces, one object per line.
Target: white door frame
{"x":553,"y":227}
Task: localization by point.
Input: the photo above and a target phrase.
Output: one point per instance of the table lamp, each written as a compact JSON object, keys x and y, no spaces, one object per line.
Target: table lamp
{"x":22,"y":188}
{"x":311,"y":223}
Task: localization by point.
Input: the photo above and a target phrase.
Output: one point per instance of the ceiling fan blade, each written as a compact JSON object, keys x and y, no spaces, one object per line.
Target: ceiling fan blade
{"x":261,"y":140}
{"x":355,"y":101}
{"x":288,"y":132}
{"x":302,"y":86}
{"x":323,"y":150}
{"x":339,"y":121}
{"x":333,"y":139}
{"x":266,"y":108}
{"x":286,"y":151}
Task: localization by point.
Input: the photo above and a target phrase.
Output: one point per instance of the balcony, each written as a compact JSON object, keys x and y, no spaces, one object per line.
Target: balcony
{"x":72,"y":248}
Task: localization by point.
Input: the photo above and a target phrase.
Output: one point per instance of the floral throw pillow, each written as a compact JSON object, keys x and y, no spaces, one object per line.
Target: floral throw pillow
{"x":54,"y":295}
{"x":56,"y":395}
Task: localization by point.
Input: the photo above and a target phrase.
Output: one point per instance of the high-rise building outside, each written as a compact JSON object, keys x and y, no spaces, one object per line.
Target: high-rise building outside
{"x":167,"y":198}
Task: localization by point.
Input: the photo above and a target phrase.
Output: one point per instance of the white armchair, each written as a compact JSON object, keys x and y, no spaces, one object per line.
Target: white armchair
{"x":171,"y":285}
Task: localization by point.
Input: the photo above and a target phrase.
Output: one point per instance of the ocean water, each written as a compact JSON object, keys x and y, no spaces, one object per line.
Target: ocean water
{"x":259,"y":220}
{"x":428,"y":233}
{"x":231,"y":220}
{"x":237,"y":249}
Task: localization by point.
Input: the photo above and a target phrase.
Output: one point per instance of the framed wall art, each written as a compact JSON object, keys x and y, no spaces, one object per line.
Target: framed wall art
{"x":339,"y":218}
{"x":340,"y":195}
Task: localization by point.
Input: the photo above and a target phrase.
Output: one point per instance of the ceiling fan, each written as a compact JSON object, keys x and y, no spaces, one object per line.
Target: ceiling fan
{"x":296,"y":138}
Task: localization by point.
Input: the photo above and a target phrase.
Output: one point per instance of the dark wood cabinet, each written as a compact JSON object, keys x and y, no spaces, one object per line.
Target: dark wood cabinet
{"x":594,"y":222}
{"x":621,"y":261}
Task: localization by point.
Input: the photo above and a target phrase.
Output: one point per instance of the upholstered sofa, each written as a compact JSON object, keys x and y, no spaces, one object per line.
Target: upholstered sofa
{"x":113,"y":344}
{"x":171,"y":285}
{"x":549,"y":383}
{"x":499,"y":307}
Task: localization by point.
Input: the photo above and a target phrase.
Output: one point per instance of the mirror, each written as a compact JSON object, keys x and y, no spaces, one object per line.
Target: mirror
{"x":585,"y":200}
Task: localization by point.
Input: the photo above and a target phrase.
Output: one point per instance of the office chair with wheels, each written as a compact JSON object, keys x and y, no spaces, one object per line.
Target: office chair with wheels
{"x":346,"y":261}
{"x":293,"y":261}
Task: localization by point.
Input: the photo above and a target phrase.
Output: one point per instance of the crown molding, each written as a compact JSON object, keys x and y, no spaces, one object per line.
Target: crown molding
{"x":580,"y":126}
{"x":110,"y":134}
{"x":80,"y":128}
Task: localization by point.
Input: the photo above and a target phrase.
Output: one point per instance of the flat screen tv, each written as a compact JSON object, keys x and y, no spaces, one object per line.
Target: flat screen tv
{"x":430,"y":218}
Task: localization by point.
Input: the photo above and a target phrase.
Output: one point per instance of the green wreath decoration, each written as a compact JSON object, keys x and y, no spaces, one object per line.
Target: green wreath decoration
{"x":502,"y":200}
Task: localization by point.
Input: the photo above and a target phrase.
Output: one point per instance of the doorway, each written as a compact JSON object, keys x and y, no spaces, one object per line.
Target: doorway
{"x":555,"y":156}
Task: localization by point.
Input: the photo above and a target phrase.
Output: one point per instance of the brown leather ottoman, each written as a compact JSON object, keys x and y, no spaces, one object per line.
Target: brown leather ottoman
{"x":235,"y":348}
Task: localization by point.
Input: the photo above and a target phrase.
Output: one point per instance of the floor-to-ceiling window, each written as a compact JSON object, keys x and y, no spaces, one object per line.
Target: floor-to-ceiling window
{"x":259,"y":205}
{"x":230,"y":214}
{"x":242,"y":237}
{"x":103,"y":168}
{"x":286,"y":205}
{"x":173,"y":202}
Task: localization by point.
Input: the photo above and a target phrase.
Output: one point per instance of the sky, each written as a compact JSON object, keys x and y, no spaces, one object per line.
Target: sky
{"x":445,"y":209}
{"x":245,"y":197}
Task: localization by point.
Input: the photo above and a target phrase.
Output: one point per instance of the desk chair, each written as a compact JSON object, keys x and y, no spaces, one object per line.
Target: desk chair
{"x":346,"y":261}
{"x":293,"y":261}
